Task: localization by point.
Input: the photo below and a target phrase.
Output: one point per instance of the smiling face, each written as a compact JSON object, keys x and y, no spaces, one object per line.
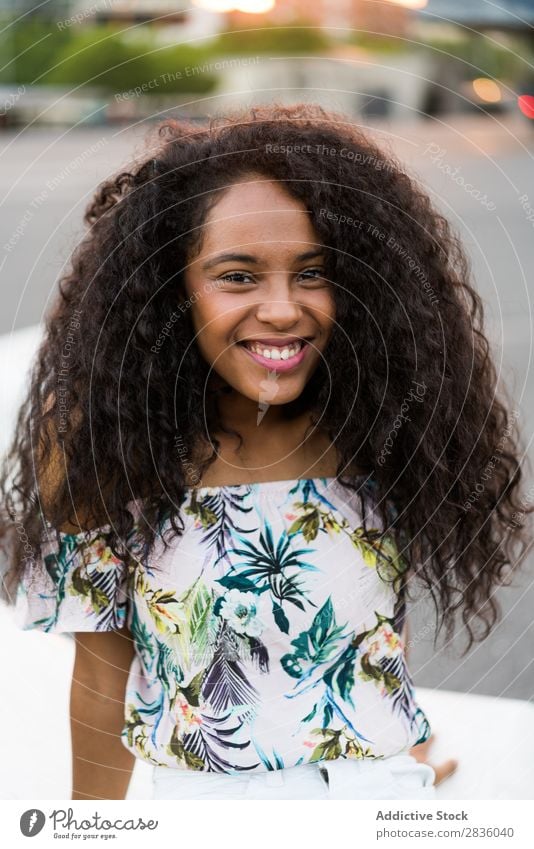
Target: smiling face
{"x":261,"y":307}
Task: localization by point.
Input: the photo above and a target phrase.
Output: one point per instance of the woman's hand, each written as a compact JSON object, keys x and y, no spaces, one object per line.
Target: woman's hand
{"x":444,"y":770}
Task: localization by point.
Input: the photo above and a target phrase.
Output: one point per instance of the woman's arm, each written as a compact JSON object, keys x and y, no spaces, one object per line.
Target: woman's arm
{"x":101,"y":765}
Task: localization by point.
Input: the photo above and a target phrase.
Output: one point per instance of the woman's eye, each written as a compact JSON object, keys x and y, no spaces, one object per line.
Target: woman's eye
{"x":235,"y":277}
{"x":312,"y":273}
{"x":243,"y":277}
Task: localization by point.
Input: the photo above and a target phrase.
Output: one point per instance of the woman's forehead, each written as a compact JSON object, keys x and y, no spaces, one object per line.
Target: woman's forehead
{"x":258,"y":218}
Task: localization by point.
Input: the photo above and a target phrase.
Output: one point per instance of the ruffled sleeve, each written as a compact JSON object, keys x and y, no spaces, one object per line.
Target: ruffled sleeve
{"x":77,"y":585}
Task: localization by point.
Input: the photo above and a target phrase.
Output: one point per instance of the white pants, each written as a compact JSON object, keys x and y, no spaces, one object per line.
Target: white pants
{"x":397,"y":777}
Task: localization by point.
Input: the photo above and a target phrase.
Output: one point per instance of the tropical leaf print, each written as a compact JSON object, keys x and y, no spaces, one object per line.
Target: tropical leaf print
{"x":99,"y":591}
{"x":57,"y":564}
{"x":378,"y":646}
{"x":213,"y":510}
{"x":340,"y":677}
{"x":227,"y":702}
{"x":383,"y":663}
{"x":169,"y":672}
{"x":212,"y":711}
{"x":225,"y":683}
{"x":314,"y":513}
{"x":258,"y":653}
{"x":136,"y":732}
{"x":315,"y":646}
{"x":277,"y":761}
{"x":183,"y":621}
{"x":166,"y":610}
{"x":219,"y":689}
{"x":140,"y":734}
{"x":93,"y":575}
{"x":143,"y":639}
{"x":57,"y":567}
{"x":380,"y":552}
{"x":177,"y":748}
{"x":420,"y":721}
{"x":194,"y":641}
{"x":183,"y":702}
{"x":309,"y":489}
{"x":311,"y":519}
{"x":192,"y":691}
{"x":329,"y":748}
{"x":319,"y":647}
{"x":336,"y":744}
{"x":264,"y":568}
{"x":214,"y":734}
{"x":200,"y":508}
{"x":245,"y":624}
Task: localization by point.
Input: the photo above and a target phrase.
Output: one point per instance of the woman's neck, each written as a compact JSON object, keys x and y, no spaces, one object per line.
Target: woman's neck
{"x":275,"y":448}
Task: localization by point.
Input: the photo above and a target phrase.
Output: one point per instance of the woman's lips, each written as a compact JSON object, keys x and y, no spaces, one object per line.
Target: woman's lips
{"x":279,"y":365}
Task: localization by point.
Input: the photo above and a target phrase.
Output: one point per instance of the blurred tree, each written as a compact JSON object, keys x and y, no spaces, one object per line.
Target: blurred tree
{"x":180,"y":68}
{"x":486,"y":57}
{"x":379,"y":43}
{"x":34,"y":44}
{"x":100,"y":57}
{"x":277,"y":40}
{"x":96,"y":56}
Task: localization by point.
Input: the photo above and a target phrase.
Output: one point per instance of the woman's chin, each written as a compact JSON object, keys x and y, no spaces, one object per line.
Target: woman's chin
{"x":269,"y":393}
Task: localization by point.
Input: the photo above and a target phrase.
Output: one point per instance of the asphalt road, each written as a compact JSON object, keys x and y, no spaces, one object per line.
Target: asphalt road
{"x":479,"y":171}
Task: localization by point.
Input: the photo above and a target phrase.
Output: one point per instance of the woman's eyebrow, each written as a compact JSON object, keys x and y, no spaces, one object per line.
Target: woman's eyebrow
{"x":310,"y":254}
{"x":231,"y":257}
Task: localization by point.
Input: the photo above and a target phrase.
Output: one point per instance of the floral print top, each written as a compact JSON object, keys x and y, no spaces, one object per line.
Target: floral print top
{"x":267,"y":635}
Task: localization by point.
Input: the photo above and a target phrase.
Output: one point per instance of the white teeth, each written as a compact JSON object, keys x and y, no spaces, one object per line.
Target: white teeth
{"x":275,"y":353}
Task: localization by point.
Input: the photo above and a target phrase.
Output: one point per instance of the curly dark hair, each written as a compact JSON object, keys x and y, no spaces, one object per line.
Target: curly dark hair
{"x":408,"y":336}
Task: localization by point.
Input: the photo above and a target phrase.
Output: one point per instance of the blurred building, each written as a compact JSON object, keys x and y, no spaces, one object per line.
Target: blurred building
{"x":169,"y":20}
{"x":383,"y":17}
{"x":153,"y":12}
{"x":506,"y":15}
{"x":28,"y":9}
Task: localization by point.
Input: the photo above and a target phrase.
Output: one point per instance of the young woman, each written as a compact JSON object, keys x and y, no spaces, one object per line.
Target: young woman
{"x":263,"y":412}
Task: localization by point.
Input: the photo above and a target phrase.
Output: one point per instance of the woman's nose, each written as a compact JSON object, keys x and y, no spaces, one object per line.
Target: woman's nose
{"x":278,"y":305}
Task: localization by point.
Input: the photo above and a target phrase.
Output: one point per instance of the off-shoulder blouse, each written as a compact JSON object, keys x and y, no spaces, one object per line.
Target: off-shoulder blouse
{"x":267,"y":635}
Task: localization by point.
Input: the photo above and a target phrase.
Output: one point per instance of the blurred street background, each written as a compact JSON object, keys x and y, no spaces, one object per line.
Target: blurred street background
{"x":446,"y":86}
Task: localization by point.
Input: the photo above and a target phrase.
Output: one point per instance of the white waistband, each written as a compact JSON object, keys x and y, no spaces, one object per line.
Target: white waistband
{"x":397,"y":777}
